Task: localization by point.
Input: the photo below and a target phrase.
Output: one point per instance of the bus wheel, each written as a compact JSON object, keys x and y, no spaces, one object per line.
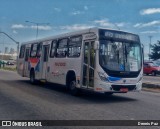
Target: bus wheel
{"x":32,"y":77}
{"x":72,"y":88}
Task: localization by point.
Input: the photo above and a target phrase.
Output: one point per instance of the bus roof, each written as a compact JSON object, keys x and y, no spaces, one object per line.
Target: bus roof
{"x":69,"y":34}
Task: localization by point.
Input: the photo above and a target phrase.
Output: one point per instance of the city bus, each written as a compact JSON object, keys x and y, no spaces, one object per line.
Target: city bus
{"x":96,"y":59}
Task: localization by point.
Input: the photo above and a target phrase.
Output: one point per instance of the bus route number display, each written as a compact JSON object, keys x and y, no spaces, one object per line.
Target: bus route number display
{"x":125,"y":36}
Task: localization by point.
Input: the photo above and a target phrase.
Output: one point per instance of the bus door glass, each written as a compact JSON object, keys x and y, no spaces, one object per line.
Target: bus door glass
{"x":88,"y":65}
{"x":26,"y":63}
{"x":45,"y":61}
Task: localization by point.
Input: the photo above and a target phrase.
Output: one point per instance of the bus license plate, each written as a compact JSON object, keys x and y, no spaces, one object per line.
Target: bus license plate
{"x":124,"y":89}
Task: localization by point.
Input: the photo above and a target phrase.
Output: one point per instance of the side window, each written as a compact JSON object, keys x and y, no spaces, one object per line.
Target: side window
{"x":22,"y":51}
{"x":53,"y":47}
{"x":62,"y":48}
{"x":34,"y":50}
{"x":75,"y":46}
{"x":39,"y":50}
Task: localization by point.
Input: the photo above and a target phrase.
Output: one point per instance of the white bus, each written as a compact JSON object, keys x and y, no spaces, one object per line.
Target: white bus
{"x":101,"y":60}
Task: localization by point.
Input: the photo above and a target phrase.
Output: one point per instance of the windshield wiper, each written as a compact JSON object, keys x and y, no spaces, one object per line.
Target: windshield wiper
{"x":125,"y":51}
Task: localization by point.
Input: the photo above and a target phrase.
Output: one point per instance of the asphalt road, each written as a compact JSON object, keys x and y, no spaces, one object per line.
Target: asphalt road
{"x":19,"y":100}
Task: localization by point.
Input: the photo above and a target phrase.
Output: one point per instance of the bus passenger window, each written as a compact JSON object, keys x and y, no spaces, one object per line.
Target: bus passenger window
{"x":62,"y":48}
{"x":53,"y":47}
{"x":22,"y":51}
{"x":75,"y":46}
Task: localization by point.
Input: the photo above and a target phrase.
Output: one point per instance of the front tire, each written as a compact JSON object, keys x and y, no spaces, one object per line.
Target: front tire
{"x":72,"y":88}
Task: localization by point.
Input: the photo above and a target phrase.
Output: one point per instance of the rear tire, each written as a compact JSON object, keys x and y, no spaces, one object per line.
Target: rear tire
{"x":32,"y":77}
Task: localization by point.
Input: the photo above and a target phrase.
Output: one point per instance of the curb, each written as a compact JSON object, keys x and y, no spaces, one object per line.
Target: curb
{"x":155,"y":90}
{"x":151,"y":85}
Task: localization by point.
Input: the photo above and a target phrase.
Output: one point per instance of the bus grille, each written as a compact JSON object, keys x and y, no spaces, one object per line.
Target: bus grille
{"x":118,"y":87}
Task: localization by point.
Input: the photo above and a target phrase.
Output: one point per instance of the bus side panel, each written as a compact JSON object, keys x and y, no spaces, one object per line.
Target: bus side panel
{"x":59,"y":67}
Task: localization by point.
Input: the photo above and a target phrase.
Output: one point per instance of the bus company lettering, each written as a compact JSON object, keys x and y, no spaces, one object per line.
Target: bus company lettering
{"x":60,"y":64}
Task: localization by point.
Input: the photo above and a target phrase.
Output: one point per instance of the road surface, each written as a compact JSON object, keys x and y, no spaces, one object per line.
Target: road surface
{"x":19,"y":100}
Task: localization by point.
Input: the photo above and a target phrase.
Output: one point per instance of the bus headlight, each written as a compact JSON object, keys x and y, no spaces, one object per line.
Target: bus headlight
{"x":102,"y":76}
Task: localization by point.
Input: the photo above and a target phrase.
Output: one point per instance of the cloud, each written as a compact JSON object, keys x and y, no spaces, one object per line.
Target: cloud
{"x":18,"y":26}
{"x":75,"y":27}
{"x":41,"y":27}
{"x":57,"y":9}
{"x":85,"y":7}
{"x":121,"y":24}
{"x":150,"y":11}
{"x":77,"y":12}
{"x":152,"y":23}
{"x":149,"y":32}
{"x":137,"y":25}
{"x":107,"y":23}
{"x":103,"y":23}
{"x":15,"y":32}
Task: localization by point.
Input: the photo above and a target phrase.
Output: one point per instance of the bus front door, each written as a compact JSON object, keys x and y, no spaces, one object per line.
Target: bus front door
{"x":45,"y":61}
{"x":88,"y":65}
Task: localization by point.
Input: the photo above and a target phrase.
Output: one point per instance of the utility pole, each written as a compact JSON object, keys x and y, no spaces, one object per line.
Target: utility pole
{"x":37,"y":25}
{"x":150,"y":38}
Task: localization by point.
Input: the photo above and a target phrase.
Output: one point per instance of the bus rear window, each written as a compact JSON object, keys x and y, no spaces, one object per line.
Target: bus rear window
{"x":22,"y":51}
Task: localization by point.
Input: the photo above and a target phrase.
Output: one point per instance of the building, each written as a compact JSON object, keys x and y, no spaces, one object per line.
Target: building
{"x":6,"y":50}
{"x":12,"y":51}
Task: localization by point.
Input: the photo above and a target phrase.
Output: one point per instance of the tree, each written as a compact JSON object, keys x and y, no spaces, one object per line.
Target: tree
{"x":155,"y":54}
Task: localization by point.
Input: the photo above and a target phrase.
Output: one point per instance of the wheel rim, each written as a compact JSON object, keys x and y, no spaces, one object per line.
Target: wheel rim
{"x":72,"y":85}
{"x":32,"y":78}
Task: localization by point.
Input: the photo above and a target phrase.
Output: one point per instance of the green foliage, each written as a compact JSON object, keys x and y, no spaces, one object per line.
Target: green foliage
{"x":155,"y":54}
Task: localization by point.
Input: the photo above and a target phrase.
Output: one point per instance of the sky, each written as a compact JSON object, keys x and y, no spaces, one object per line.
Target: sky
{"x":54,"y":17}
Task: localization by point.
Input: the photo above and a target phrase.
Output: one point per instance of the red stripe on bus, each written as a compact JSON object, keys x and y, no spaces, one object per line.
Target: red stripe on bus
{"x":33,"y":60}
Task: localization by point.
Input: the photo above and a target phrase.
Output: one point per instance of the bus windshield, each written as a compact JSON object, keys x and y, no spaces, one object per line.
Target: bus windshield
{"x":120,"y":56}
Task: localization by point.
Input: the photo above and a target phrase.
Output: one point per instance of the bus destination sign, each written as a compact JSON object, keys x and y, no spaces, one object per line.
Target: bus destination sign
{"x":121,"y":35}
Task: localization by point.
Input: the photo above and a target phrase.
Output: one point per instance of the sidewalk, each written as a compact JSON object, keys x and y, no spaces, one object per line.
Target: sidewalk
{"x":151,"y":84}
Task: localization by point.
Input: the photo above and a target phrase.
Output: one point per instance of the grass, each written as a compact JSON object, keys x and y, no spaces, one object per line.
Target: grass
{"x":9,"y":68}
